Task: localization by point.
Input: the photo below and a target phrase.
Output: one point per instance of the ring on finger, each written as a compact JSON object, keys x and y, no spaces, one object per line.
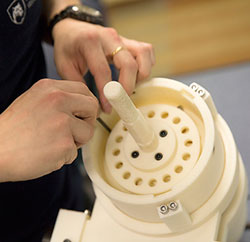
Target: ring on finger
{"x":117,"y":50}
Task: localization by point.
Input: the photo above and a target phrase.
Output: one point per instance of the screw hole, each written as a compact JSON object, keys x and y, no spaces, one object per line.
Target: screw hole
{"x":116,"y":152}
{"x":164,"y":115}
{"x":166,"y":178}
{"x":126,"y":175}
{"x":118,"y":165}
{"x":186,"y":156}
{"x":151,"y":114}
{"x":188,"y":143}
{"x":152,"y":183}
{"x":135,"y":154}
{"x":178,"y":169}
{"x":138,"y":181}
{"x":180,"y":107}
{"x":163,"y":133}
{"x":176,"y":120}
{"x":184,"y":130}
{"x":119,"y":139}
{"x":158,"y":156}
{"x":124,"y":128}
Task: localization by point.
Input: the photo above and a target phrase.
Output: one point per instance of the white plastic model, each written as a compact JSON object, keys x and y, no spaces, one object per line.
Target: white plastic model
{"x":169,"y":171}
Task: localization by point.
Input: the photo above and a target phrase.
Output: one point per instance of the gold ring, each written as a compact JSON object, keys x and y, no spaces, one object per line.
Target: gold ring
{"x":118,"y":49}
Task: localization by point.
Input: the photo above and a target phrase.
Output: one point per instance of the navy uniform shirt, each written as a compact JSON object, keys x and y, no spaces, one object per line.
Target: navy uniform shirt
{"x":27,"y":208}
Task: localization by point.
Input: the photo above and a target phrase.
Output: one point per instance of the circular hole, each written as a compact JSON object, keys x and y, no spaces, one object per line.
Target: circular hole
{"x":158,"y":156}
{"x":116,"y":152}
{"x":126,"y":175}
{"x":135,"y":154}
{"x":163,"y":133}
{"x":176,"y":120}
{"x":151,"y":114}
{"x":164,"y":115}
{"x":166,"y":178}
{"x":119,"y":139}
{"x":152,"y":182}
{"x":124,"y":128}
{"x":178,"y":169}
{"x":118,"y":165}
{"x":186,"y":156}
{"x":184,"y":130}
{"x":188,"y":143}
{"x":138,"y":181}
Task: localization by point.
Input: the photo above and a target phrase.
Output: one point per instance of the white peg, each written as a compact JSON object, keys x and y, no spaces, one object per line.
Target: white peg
{"x":133,"y":119}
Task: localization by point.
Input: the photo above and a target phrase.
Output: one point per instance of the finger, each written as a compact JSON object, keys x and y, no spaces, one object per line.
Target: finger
{"x":73,"y":87}
{"x":82,"y":107}
{"x":99,"y":68}
{"x":128,"y":68}
{"x":144,"y":56}
{"x":82,"y":131}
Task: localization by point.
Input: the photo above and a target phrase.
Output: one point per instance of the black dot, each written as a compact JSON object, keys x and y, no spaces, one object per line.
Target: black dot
{"x":158,"y":156}
{"x":163,"y":133}
{"x":135,"y":154}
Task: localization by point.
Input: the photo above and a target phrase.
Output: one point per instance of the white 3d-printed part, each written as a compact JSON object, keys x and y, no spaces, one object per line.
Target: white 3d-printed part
{"x":181,"y":180}
{"x":157,"y":171}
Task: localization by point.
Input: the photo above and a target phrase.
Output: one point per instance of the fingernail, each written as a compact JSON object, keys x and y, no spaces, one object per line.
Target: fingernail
{"x":107,"y":107}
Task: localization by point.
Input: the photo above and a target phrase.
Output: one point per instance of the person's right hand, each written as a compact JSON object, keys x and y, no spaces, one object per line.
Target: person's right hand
{"x":42,"y":129}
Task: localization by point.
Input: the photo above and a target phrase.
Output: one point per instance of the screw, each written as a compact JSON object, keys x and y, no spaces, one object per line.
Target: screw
{"x":163,"y":133}
{"x":173,"y":206}
{"x":158,"y":156}
{"x":163,"y":209}
{"x":135,"y":154}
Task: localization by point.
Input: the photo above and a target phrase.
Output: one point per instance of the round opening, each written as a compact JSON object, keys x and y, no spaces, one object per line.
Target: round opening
{"x":166,"y":178}
{"x":124,"y":128}
{"x":135,"y":154}
{"x":152,"y":182}
{"x":138,"y":181}
{"x":118,"y":165}
{"x":163,"y":133}
{"x":116,"y":152}
{"x":186,"y":156}
{"x":151,"y":114}
{"x":158,"y":156}
{"x":176,"y":120}
{"x":178,"y":169}
{"x":164,"y":115}
{"x":184,"y":130}
{"x":119,"y":139}
{"x":180,"y":107}
{"x":126,"y":175}
{"x":188,"y":143}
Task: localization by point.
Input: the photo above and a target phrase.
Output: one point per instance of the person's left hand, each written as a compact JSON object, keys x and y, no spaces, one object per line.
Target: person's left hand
{"x":81,"y":46}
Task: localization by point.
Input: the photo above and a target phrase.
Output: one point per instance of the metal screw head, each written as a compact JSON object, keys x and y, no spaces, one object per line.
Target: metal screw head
{"x":173,"y":206}
{"x":164,"y":209}
{"x":163,"y":133}
{"x":158,"y":156}
{"x":135,"y":154}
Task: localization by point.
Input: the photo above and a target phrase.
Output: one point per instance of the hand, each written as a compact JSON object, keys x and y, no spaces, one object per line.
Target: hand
{"x":80,"y":46}
{"x":42,"y":129}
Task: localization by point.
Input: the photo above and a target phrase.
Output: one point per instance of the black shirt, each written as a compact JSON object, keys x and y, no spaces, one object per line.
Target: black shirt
{"x":27,"y":208}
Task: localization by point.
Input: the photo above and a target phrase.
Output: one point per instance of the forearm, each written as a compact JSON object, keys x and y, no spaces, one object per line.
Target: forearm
{"x":53,"y":7}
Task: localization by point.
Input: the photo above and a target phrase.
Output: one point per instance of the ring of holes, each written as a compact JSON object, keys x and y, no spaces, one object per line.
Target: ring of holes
{"x":166,"y":178}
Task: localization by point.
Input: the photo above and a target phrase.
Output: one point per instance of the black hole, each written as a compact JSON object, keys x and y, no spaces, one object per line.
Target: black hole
{"x":135,"y":154}
{"x":158,"y":156}
{"x":163,"y":133}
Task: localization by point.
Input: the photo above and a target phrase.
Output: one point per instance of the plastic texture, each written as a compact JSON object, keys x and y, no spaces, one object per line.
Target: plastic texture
{"x":189,"y":185}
